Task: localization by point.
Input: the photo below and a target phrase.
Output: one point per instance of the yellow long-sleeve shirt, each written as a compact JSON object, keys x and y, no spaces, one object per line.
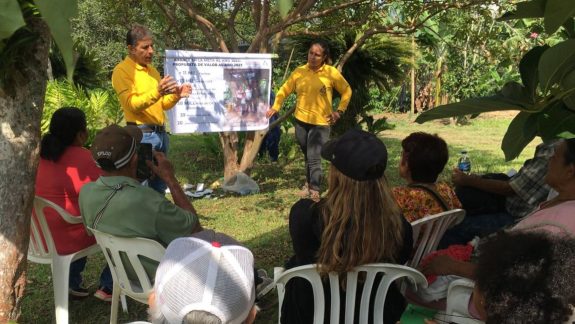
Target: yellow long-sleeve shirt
{"x":314,"y":90}
{"x":137,"y":88}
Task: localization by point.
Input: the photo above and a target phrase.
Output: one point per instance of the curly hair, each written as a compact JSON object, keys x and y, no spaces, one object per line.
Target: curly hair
{"x":426,"y":156}
{"x":527,"y":277}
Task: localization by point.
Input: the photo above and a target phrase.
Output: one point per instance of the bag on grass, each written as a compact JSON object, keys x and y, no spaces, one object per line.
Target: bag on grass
{"x":242,"y":184}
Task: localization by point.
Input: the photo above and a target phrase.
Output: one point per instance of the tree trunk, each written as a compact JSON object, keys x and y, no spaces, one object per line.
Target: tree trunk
{"x":251,"y":149}
{"x":21,"y":103}
{"x":229,"y":141}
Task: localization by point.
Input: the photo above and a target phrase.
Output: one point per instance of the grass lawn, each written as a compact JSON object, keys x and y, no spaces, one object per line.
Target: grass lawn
{"x":261,"y":221}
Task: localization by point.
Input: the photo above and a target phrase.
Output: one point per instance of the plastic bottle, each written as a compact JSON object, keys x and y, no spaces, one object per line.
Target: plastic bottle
{"x":464,"y":163}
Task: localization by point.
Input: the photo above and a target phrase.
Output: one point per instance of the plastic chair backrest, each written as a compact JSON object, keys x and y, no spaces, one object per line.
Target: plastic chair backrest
{"x":427,"y":232}
{"x":389,"y":272}
{"x":42,"y":247}
{"x":458,"y":297}
{"x":132,"y":249}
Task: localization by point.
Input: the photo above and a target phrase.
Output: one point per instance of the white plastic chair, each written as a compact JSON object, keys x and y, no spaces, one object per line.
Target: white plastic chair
{"x":42,"y":249}
{"x":391,"y":272}
{"x":427,"y":232}
{"x":458,"y":296}
{"x":132,"y":248}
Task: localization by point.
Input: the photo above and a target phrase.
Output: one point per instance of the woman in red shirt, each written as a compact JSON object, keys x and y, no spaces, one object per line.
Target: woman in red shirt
{"x":65,"y":166}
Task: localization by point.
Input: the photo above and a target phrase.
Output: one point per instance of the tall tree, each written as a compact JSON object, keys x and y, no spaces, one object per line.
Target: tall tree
{"x":24,"y":47}
{"x":259,"y":24}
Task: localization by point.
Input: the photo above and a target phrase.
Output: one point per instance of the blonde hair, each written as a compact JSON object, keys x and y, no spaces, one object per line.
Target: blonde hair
{"x":362,"y":224}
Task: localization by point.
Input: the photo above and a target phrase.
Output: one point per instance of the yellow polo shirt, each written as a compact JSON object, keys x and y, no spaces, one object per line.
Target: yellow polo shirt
{"x":314,"y":90}
{"x":137,"y":88}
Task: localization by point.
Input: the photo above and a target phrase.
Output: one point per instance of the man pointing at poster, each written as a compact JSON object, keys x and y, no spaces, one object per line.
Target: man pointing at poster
{"x":144,"y":95}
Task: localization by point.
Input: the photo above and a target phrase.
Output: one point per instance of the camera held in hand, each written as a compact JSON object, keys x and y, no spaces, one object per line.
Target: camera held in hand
{"x":145,"y":154}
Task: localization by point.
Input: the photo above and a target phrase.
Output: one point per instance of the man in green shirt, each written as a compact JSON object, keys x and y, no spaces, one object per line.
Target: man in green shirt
{"x":118,"y":204}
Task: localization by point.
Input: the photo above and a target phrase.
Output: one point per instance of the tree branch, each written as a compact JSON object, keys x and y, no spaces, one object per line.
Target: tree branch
{"x":174,"y":24}
{"x":209,"y":30}
{"x":231,"y":25}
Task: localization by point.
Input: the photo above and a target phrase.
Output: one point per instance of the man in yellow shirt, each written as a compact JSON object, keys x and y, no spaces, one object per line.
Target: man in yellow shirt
{"x":144,"y":95}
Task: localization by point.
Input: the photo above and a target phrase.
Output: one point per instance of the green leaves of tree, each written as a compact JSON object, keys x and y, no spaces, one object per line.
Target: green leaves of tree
{"x":555,"y":63}
{"x":521,"y":131}
{"x":57,"y":14}
{"x":469,"y":107}
{"x":546,"y":99}
{"x":284,"y":6}
{"x":10,"y":18}
{"x":556,"y":13}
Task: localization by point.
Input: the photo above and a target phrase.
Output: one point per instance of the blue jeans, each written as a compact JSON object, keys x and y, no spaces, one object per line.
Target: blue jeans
{"x":160,"y":142}
{"x":475,"y":225}
{"x":79,"y":265}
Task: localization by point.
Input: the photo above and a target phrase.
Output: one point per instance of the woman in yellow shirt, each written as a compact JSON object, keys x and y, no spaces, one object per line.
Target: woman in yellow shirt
{"x":313,"y":84}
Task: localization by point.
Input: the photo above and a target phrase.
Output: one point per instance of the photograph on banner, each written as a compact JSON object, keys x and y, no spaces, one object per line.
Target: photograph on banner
{"x":230,"y":91}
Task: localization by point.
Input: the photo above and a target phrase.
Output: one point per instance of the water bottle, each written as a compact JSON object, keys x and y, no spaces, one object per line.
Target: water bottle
{"x":464,"y":163}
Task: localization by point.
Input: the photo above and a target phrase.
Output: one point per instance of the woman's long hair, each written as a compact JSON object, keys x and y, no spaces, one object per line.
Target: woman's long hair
{"x":65,"y":124}
{"x":362,"y":224}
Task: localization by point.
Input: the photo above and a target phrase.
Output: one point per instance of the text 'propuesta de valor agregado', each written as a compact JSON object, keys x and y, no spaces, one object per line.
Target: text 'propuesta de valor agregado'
{"x":207,"y":62}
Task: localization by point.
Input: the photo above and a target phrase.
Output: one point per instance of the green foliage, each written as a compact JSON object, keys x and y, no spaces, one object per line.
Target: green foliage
{"x":101,"y":106}
{"x":546,"y":93}
{"x":88,"y":72}
{"x":15,"y":37}
{"x":284,"y":7}
{"x":11,"y":18}
{"x":57,"y":14}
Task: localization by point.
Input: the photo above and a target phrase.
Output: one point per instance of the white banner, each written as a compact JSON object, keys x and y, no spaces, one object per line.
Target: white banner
{"x":230,"y":91}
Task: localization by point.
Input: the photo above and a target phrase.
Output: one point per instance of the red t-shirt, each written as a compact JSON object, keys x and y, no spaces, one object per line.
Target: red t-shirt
{"x":60,"y":182}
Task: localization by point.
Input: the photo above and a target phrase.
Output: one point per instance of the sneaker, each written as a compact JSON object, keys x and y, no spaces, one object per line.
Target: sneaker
{"x":104,"y":294}
{"x":78,"y":292}
{"x":264,"y":287}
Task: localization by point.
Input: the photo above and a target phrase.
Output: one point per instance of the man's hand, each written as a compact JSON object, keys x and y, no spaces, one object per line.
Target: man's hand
{"x":184,"y":91}
{"x":270,"y":113}
{"x":163,"y":169}
{"x":333,"y":117}
{"x":167,"y":86}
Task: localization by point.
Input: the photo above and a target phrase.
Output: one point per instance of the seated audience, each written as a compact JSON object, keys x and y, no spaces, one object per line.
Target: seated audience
{"x":525,"y":277}
{"x":358,"y":222}
{"x":206,"y":278}
{"x":118,"y":204}
{"x":495,"y":201}
{"x":423,"y":158}
{"x":554,"y":216}
{"x":65,"y":166}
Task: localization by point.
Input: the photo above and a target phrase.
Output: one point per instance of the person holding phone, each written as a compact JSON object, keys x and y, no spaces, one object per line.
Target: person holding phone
{"x":314,"y":83}
{"x":144,"y":95}
{"x":117,"y":204}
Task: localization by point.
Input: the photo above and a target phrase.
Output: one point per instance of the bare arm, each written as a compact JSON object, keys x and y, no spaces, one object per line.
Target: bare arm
{"x":444,"y":265}
{"x":500,"y":187}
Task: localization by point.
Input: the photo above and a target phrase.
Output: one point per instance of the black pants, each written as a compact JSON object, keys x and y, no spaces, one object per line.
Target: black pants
{"x":311,"y":138}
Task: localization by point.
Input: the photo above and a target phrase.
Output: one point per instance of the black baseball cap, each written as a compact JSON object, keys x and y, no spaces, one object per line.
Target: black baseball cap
{"x":357,"y":154}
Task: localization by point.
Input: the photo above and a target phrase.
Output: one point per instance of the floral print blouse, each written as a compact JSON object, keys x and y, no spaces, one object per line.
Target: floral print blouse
{"x":416,"y":203}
